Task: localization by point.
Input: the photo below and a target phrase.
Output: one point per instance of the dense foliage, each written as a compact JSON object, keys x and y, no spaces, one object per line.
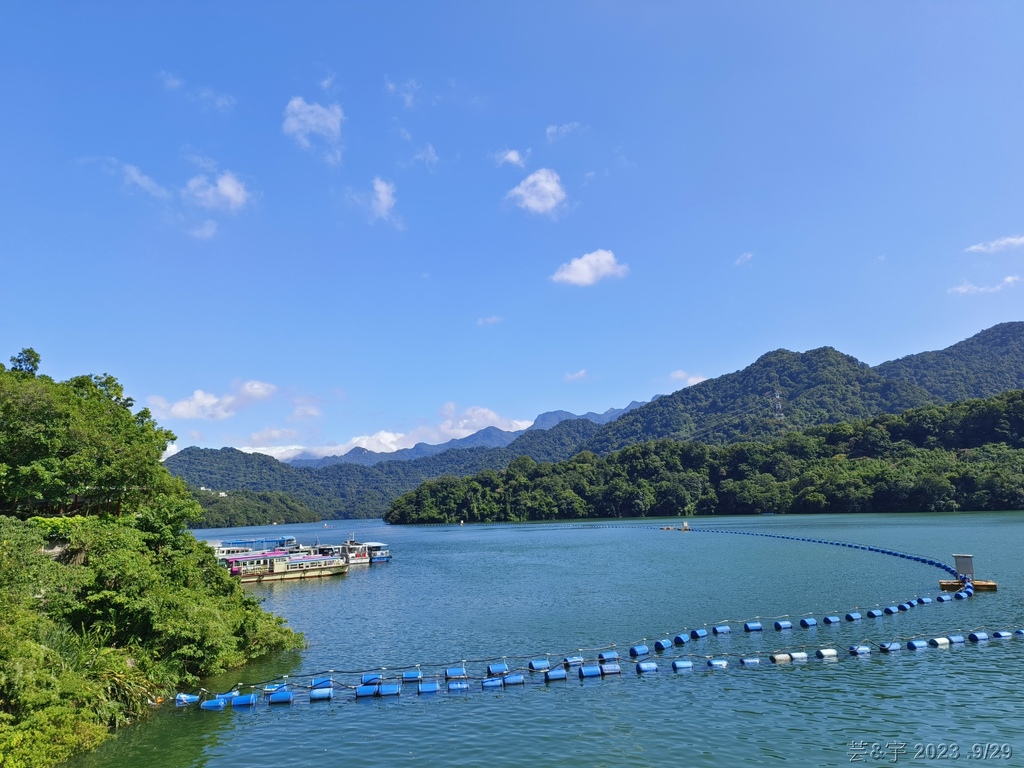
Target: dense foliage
{"x":240,"y":508}
{"x":109,"y":602}
{"x":969,"y":455}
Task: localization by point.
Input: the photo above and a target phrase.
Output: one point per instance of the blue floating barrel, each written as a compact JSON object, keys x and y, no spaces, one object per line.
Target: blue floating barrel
{"x":247,"y":700}
{"x":610,"y":669}
{"x":939,"y":642}
{"x":969,"y":591}
{"x":281,"y":697}
{"x":889,"y":647}
{"x":455,"y":672}
{"x":860,"y":650}
{"x":428,"y":686}
{"x":978,"y":637}
{"x":608,"y":656}
{"x":960,"y":596}
{"x":891,"y":610}
{"x":682,"y":665}
{"x":516,"y":679}
{"x":366,"y":691}
{"x":917,"y":645}
{"x":217,"y":703}
{"x":389,"y":689}
{"x":412,"y":676}
{"x":321,"y":682}
{"x":718,"y":663}
{"x":752,"y":626}
{"x":750,"y":662}
{"x":783,"y":624}
{"x":799,"y":655}
{"x":492,"y":682}
{"x":228,"y":695}
{"x":827,"y":653}
{"x":874,"y":613}
{"x":662,"y":645}
{"x":722,"y":629}
{"x":681,"y":639}
{"x":956,"y":639}
{"x":780,"y":658}
{"x":639,"y":650}
{"x":1001,"y":635}
{"x":808,"y":622}
{"x":697,"y":634}
{"x":903,"y":607}
{"x":321,"y":694}
{"x":539,"y":665}
{"x":371,"y":678}
{"x":554,"y":674}
{"x":494,"y":670}
{"x":572,"y":661}
{"x":853,"y":616}
{"x":923,"y":600}
{"x":183,"y":699}
{"x":645,"y":667}
{"x":831,"y":619}
{"x":457,"y":686}
{"x":1019,"y":633}
{"x":589,"y":670}
{"x":943,"y":598}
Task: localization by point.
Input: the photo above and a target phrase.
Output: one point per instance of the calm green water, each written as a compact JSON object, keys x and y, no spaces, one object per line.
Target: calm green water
{"x":483,"y":592}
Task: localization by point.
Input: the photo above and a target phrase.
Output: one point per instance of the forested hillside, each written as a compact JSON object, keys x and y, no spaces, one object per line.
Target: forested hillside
{"x":969,"y":455}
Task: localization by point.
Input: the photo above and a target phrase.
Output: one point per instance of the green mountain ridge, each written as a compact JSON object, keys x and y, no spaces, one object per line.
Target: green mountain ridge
{"x":780,"y":393}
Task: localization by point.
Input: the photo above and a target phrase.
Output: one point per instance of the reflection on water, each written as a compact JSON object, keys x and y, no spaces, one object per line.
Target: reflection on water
{"x":487,"y":592}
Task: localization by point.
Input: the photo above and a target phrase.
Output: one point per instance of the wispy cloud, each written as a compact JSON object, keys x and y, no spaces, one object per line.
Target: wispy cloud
{"x":206,"y":405}
{"x":225,"y":193}
{"x":968,"y":288}
{"x":743,"y":258}
{"x":428,"y":157}
{"x":578,"y":376}
{"x":689,"y":379}
{"x":205,"y":231}
{"x":405,"y":91}
{"x":304,"y":120}
{"x":510,"y":157}
{"x":271,"y":436}
{"x":204,"y":95}
{"x":487,"y":321}
{"x":540,"y":192}
{"x":382,"y":202}
{"x":590,"y":268}
{"x":133,"y":178}
{"x":556,"y":132}
{"x":1002,"y":244}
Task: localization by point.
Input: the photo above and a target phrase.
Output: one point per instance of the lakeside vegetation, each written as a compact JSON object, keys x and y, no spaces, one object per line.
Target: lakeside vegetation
{"x":109,"y":602}
{"x":236,"y":509}
{"x":968,"y":455}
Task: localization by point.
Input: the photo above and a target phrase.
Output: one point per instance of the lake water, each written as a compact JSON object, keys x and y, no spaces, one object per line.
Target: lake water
{"x":481,"y":593}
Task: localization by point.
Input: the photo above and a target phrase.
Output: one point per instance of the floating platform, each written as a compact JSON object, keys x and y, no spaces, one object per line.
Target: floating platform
{"x":955,"y":585}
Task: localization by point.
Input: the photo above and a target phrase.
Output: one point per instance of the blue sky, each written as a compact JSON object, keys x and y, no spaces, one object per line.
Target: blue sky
{"x":378,"y":223}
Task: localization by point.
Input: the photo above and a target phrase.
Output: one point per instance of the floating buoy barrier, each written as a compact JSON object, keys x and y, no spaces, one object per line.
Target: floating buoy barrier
{"x":381,"y":683}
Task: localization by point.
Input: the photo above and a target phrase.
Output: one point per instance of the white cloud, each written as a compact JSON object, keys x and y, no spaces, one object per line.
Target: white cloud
{"x":204,"y":231}
{"x":744,"y":258}
{"x":171,"y":82}
{"x":226,"y":193}
{"x":1014,"y":241}
{"x":303,"y":120}
{"x":485,"y":321}
{"x":556,"y":132}
{"x":327,"y":82}
{"x":222,"y":102}
{"x":405,"y":91}
{"x":578,"y":376}
{"x":540,"y":192}
{"x":427,"y":156}
{"x":271,"y":436}
{"x":172,"y":448}
{"x":511,"y":157}
{"x":383,"y":200}
{"x":968,"y":288}
{"x":306,"y":412}
{"x":133,"y":177}
{"x":688,"y":378}
{"x":205,"y":405}
{"x":590,"y":268}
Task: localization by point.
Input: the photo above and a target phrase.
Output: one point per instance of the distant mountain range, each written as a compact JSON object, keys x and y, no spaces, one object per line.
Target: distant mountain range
{"x":780,"y":392}
{"x":488,"y":437}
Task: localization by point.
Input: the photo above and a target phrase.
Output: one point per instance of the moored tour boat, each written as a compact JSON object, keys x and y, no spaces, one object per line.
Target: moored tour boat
{"x":279,"y":565}
{"x":363,"y":553}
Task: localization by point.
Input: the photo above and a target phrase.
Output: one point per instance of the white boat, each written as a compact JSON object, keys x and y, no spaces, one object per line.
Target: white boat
{"x":279,"y":565}
{"x":363,"y":553}
{"x":378,"y":551}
